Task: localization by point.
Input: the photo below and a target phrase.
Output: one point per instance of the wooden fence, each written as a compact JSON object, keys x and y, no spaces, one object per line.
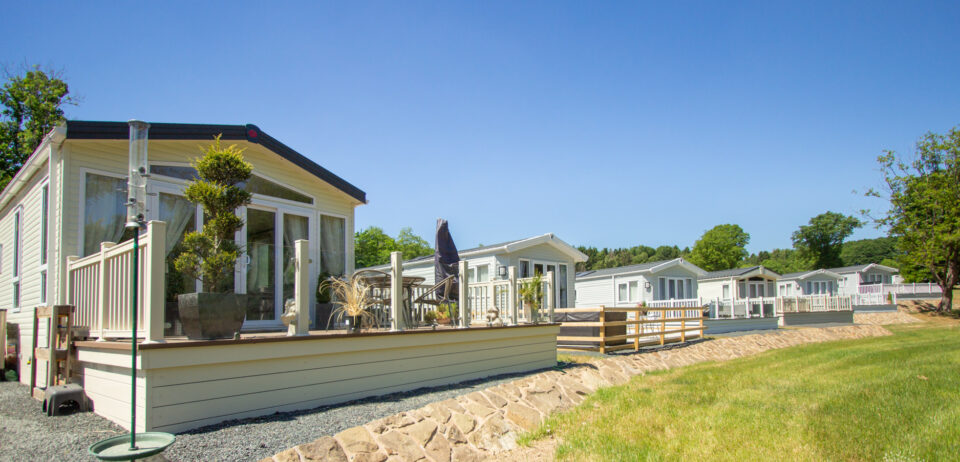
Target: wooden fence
{"x":612,"y":329}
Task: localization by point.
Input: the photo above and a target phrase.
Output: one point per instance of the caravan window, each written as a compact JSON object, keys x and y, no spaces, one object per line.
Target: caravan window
{"x":622,"y":292}
{"x":104,"y":211}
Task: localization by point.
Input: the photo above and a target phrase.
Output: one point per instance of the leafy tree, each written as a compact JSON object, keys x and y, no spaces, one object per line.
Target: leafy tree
{"x":821,"y":241}
{"x":866,"y":251}
{"x":780,"y":260}
{"x":722,"y":247}
{"x":372,"y":246}
{"x":924,"y":210}
{"x":412,"y":245}
{"x":32,"y":104}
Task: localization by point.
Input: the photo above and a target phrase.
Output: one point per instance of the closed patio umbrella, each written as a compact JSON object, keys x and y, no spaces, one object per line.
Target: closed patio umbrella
{"x":446,"y":259}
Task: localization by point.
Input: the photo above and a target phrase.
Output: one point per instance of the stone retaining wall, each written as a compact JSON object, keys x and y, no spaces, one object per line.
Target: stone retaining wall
{"x":883,"y":318}
{"x":483,"y":424}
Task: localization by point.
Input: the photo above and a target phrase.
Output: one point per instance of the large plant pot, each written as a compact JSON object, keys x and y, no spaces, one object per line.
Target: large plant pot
{"x":210,"y":316}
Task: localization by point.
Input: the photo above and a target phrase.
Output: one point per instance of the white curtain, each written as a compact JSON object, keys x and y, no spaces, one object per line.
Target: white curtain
{"x":294,"y":229}
{"x":104,"y":211}
{"x":332,"y":245}
{"x":178,"y":213}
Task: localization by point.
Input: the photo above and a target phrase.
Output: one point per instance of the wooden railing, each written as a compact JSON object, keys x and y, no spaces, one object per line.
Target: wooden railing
{"x":100,"y":285}
{"x":642,"y":326}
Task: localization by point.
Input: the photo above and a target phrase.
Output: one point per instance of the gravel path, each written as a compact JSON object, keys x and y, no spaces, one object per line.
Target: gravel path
{"x":27,"y":434}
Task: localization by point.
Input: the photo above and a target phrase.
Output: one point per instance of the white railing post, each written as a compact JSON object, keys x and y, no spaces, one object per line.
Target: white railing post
{"x":396,"y":291}
{"x":512,"y":290}
{"x":154,"y":282}
{"x":549,"y":294}
{"x":301,"y":288}
{"x":103,"y":290}
{"x":463,"y":302}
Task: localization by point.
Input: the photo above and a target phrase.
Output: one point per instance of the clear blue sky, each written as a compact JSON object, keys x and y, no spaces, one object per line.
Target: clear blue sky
{"x":608,"y":124}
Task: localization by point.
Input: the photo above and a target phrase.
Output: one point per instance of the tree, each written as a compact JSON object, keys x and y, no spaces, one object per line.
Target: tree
{"x":782,"y":261}
{"x":924,"y":211}
{"x":722,"y":247}
{"x":866,"y":251}
{"x":372,"y":246}
{"x":32,"y":106}
{"x":821,"y":241}
{"x":412,"y":245}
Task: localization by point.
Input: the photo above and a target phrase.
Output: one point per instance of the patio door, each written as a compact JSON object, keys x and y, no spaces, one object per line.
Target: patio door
{"x":268,"y":269}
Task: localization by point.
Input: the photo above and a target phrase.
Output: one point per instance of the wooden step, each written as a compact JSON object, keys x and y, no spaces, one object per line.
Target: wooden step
{"x":44,"y":312}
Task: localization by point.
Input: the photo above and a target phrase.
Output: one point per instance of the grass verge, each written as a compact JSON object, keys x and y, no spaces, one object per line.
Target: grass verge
{"x":886,"y":398}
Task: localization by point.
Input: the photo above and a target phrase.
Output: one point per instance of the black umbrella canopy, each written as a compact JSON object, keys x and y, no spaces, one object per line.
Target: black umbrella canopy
{"x":446,"y":259}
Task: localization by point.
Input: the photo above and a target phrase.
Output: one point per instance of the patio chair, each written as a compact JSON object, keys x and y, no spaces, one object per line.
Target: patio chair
{"x":438,"y":294}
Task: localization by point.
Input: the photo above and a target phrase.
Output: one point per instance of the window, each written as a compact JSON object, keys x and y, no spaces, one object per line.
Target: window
{"x":44,"y":208}
{"x":471,"y":275}
{"x":104,"y":211}
{"x":634,"y":290}
{"x":622,"y":292}
{"x":17,"y":237}
{"x":43,"y":287}
{"x":256,"y":184}
{"x":483,"y":273}
{"x":726,"y":291}
{"x":562,"y":286}
{"x":525,"y":269}
{"x":333,"y":254}
{"x":675,"y":288}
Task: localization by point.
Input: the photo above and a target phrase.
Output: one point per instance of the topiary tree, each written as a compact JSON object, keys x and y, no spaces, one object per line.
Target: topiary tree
{"x":210,"y":255}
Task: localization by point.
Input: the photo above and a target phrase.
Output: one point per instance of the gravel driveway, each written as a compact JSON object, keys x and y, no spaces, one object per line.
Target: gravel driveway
{"x":27,"y":434}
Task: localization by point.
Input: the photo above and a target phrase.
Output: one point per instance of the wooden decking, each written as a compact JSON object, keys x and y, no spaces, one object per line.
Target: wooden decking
{"x":648,"y":326}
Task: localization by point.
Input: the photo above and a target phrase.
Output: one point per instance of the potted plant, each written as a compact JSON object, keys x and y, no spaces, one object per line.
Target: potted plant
{"x":531,"y":292}
{"x":211,"y":254}
{"x":352,"y":298}
{"x":430,"y":317}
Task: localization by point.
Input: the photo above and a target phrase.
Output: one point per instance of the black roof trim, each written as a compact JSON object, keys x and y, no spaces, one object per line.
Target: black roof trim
{"x":89,"y":130}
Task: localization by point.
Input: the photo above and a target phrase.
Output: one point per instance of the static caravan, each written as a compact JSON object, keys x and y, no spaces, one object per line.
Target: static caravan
{"x":538,"y":254}
{"x":738,"y":283}
{"x":658,"y":284}
{"x":69,"y":199}
{"x":814,"y":282}
{"x":862,"y":276}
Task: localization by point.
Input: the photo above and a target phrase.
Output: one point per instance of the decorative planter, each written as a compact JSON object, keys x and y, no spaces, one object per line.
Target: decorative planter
{"x":353,"y":324}
{"x":211,"y":316}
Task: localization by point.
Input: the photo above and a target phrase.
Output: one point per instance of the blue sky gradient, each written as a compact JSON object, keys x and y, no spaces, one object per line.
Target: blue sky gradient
{"x":609,"y":124}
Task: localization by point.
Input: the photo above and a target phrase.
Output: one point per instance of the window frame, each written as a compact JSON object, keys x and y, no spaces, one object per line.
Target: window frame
{"x":17,"y":270}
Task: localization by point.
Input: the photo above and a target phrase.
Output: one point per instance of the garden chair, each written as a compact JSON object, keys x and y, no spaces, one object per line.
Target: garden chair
{"x":438,"y":294}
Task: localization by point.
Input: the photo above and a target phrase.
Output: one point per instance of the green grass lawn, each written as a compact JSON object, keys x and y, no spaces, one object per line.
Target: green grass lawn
{"x":888,"y":398}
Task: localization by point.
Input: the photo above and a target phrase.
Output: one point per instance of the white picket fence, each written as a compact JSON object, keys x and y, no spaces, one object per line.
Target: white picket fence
{"x":100,"y":285}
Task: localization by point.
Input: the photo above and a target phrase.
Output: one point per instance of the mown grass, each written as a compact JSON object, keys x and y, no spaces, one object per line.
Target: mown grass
{"x":887,"y":398}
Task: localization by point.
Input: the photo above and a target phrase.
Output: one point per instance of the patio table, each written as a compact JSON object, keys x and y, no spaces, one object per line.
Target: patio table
{"x":409,"y":283}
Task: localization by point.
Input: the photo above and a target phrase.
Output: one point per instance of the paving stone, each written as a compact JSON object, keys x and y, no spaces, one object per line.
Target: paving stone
{"x":438,"y":448}
{"x":398,"y":444}
{"x":323,"y":449}
{"x":357,"y":440}
{"x":464,"y":423}
{"x":421,"y":432}
{"x":525,"y":417}
{"x":290,"y":455}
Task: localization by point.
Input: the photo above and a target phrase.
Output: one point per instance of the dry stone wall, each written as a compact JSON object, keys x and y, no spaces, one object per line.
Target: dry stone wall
{"x":483,"y":424}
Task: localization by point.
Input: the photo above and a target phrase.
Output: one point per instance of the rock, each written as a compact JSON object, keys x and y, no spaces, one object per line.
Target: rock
{"x":479,"y":398}
{"x":464,"y":453}
{"x":438,"y":448}
{"x":452,"y":405}
{"x":357,"y":440}
{"x":525,"y":417}
{"x":454,"y":435}
{"x":370,"y":457}
{"x":397,"y":444}
{"x":323,"y":449}
{"x":290,"y":455}
{"x":464,"y":423}
{"x":494,"y":435}
{"x":439,"y":413}
{"x":495,"y":399}
{"x":477,"y":409}
{"x":421,"y":432}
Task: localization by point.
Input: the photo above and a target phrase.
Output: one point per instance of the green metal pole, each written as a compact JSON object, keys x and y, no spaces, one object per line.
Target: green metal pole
{"x":133,"y":341}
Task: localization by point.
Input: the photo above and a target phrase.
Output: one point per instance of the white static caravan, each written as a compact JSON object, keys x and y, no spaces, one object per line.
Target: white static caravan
{"x":814,"y":282}
{"x":855,"y":277}
{"x":658,"y":284}
{"x":69,"y":198}
{"x":738,"y":283}
{"x":538,"y":254}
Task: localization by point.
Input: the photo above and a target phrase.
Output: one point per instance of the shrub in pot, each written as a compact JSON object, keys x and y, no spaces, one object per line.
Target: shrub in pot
{"x":531,"y":292}
{"x":211,"y":254}
{"x":353,"y":300}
